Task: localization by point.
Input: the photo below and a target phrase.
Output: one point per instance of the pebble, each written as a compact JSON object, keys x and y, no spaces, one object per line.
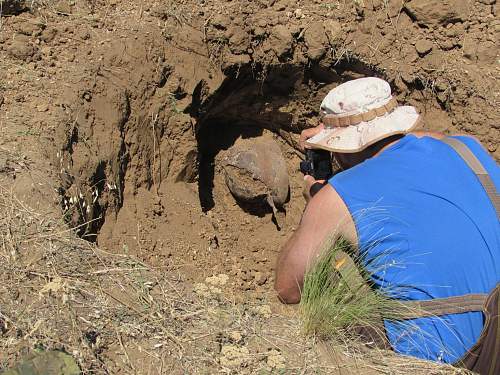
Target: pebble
{"x":42,"y":107}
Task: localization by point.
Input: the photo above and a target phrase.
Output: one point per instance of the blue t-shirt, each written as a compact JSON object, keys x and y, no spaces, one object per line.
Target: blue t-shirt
{"x":426,"y":229}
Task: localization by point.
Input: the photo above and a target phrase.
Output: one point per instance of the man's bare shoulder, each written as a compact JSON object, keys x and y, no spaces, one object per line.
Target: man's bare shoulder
{"x":328,"y":210}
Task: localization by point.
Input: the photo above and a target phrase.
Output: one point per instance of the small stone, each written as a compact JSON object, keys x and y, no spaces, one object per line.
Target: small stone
{"x":275,"y":360}
{"x":42,"y":107}
{"x":260,"y":278}
{"x":423,"y":46}
{"x":298,"y":13}
{"x":233,"y":356}
{"x":263,"y":310}
{"x":316,"y":40}
{"x":280,"y":40}
{"x":29,"y":28}
{"x":217,"y":280}
{"x":63,"y":7}
{"x":235,"y":336}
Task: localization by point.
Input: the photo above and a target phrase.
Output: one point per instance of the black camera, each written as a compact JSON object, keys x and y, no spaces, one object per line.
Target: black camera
{"x":318,"y":164}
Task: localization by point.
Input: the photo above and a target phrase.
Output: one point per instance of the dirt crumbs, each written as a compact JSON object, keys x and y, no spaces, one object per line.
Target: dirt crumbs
{"x":137,"y":121}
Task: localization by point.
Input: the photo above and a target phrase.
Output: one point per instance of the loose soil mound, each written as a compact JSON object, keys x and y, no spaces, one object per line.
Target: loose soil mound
{"x":118,"y":113}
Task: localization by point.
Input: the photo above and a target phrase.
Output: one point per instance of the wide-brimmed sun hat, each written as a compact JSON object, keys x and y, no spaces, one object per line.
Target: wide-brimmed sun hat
{"x":358,"y":113}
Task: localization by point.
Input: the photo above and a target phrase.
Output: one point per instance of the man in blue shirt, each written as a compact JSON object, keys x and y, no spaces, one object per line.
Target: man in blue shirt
{"x":410,"y":201}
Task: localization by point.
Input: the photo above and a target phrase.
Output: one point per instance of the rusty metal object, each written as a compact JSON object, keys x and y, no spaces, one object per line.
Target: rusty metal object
{"x":255,"y":168}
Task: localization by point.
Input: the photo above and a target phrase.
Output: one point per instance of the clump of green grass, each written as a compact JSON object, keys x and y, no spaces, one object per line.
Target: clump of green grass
{"x":337,"y":299}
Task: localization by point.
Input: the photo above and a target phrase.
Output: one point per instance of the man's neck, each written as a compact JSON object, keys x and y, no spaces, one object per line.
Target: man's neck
{"x":350,"y":160}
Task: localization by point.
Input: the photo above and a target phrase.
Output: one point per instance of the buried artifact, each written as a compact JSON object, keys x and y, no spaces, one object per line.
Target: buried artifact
{"x":255,"y":169}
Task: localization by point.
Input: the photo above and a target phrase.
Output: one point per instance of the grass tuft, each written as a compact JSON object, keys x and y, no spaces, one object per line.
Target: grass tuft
{"x":337,"y":300}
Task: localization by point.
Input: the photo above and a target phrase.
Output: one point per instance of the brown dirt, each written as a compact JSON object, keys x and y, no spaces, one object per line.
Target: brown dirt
{"x":116,"y":113}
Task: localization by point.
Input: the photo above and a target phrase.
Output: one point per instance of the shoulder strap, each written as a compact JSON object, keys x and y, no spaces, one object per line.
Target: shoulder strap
{"x":473,"y":162}
{"x":442,"y":306}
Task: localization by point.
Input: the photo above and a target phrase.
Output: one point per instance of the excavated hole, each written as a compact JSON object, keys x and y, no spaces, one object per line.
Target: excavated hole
{"x":283,"y":99}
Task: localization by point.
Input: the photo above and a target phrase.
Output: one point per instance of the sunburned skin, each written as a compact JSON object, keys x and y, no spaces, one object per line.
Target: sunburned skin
{"x":325,"y":218}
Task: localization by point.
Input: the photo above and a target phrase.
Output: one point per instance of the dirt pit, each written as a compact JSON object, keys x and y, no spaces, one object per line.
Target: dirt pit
{"x":162,"y":179}
{"x":117,"y":115}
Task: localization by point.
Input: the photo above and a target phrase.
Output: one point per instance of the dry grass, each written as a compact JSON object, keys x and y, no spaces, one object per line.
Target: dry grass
{"x":114,"y":313}
{"x":59,"y":292}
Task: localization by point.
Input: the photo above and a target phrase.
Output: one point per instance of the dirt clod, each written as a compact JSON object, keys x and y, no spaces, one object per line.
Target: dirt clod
{"x":48,"y":34}
{"x":280,"y":41}
{"x":434,"y":12}
{"x":233,"y":356}
{"x":423,"y":46}
{"x":316,"y":38}
{"x":275,"y":360}
{"x":21,"y":48}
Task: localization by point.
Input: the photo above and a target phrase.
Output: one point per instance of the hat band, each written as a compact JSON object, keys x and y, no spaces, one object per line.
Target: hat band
{"x":334,"y":121}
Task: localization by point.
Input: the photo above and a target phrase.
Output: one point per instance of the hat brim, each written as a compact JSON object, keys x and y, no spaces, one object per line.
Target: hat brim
{"x":358,"y":137}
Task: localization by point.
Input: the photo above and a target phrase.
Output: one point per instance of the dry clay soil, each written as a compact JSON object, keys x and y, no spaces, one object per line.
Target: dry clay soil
{"x":117,"y":114}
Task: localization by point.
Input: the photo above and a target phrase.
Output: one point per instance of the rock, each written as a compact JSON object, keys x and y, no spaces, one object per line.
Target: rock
{"x":299,"y":14}
{"x":256,"y":169}
{"x":260,"y":278}
{"x":423,"y":46}
{"x":316,"y":41}
{"x":470,"y":49}
{"x":264,"y":311}
{"x":220,"y":21}
{"x":333,"y":29}
{"x":235,"y":336}
{"x":488,"y":2}
{"x":435,"y":12}
{"x":42,"y":107}
{"x":46,"y":363}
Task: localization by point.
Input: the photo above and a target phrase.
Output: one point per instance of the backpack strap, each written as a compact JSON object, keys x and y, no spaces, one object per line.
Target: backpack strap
{"x":350,"y":273}
{"x":473,"y":162}
{"x":442,"y":306}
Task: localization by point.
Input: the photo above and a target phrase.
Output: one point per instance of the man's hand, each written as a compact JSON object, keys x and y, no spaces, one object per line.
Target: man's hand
{"x":308,"y":133}
{"x":311,"y":187}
